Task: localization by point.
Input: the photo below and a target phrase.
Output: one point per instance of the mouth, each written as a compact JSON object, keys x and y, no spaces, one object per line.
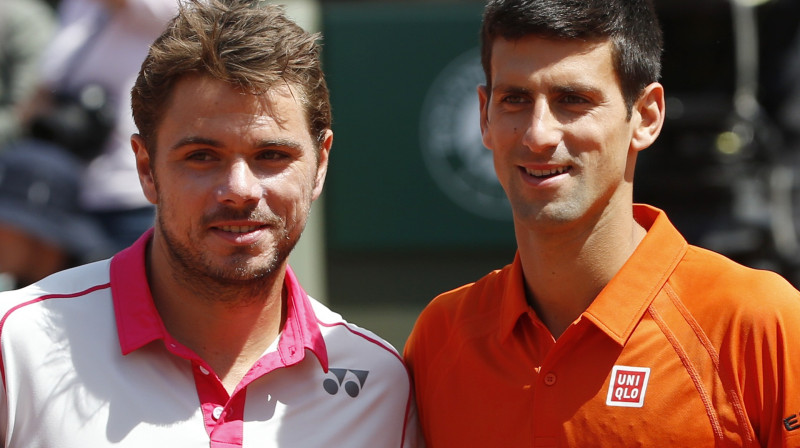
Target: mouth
{"x":547,"y":173}
{"x":239,"y":229}
{"x":241,"y":234}
{"x":240,"y":225}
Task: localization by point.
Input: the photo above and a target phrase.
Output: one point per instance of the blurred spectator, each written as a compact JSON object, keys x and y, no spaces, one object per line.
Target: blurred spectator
{"x":42,"y":229}
{"x":97,"y":50}
{"x":26,"y":26}
{"x":788,"y":115}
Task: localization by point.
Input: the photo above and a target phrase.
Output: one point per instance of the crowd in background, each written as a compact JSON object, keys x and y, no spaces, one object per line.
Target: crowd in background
{"x":66,"y":67}
{"x":69,"y":192}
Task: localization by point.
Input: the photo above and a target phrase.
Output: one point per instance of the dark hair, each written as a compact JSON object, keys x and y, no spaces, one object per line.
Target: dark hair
{"x":631,"y":26}
{"x":247,"y":43}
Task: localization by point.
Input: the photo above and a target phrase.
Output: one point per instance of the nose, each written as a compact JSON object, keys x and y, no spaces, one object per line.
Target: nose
{"x":543,"y":132}
{"x":240,"y":185}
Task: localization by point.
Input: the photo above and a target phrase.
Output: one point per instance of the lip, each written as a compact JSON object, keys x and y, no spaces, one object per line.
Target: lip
{"x":544,"y":174}
{"x":239,"y":232}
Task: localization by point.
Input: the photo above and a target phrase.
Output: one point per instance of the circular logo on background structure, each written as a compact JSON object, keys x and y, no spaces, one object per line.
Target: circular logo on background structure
{"x":450,"y":139}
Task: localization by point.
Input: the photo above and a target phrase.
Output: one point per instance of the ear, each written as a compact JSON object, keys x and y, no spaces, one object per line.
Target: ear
{"x":648,"y":113}
{"x":145,"y":171}
{"x":483,"y":100}
{"x":322,"y":163}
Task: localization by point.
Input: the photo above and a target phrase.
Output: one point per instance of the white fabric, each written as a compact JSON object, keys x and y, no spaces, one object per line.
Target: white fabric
{"x":68,"y":385}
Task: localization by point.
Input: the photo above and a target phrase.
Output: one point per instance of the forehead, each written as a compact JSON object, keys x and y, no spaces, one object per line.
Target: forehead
{"x":204,"y":105}
{"x":205,"y":92}
{"x":533,"y":55}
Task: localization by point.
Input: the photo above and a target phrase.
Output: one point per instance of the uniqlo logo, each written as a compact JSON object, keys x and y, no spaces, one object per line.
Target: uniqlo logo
{"x":627,"y":386}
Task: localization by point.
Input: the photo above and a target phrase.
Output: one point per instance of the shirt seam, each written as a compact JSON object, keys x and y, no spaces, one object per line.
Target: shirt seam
{"x":37,"y":300}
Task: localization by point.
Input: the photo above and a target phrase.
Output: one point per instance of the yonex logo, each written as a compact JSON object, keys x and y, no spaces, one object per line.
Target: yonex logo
{"x":627,"y":386}
{"x":352,"y":381}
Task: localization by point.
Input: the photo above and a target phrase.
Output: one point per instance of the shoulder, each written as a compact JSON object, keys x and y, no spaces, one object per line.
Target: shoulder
{"x":717,"y":278}
{"x":347,"y":341}
{"x":368,"y":366}
{"x":78,"y":282}
{"x":457,"y":317}
{"x":64,"y":311}
{"x":469,"y":301}
{"x":722,"y":294}
{"x":751,"y":318}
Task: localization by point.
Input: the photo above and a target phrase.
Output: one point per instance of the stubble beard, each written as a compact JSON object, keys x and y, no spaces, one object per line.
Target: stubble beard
{"x":236,"y":282}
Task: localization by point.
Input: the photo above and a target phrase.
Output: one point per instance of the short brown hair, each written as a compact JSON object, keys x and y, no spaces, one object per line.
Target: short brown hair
{"x":247,"y":43}
{"x":631,"y":26}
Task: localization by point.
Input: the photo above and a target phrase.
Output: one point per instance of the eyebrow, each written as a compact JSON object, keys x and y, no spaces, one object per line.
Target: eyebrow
{"x":279,"y":143}
{"x":565,"y":89}
{"x":195,"y":140}
{"x":576,"y":88}
{"x":504,"y":88}
{"x":205,"y":141}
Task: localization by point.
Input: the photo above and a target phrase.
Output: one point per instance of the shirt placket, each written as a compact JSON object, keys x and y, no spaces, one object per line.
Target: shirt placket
{"x":549,"y":390}
{"x":223,"y":414}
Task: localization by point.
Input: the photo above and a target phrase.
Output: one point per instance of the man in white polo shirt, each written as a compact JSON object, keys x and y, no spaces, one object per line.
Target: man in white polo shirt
{"x":199,"y":334}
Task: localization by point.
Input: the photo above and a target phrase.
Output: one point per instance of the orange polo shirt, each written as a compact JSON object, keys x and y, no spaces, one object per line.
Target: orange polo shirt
{"x":683,"y":348}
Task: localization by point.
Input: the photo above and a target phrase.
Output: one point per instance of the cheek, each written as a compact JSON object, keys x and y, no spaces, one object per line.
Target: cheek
{"x":590,"y":137}
{"x":297,"y":182}
{"x":178,"y":201}
{"x":503,"y":130}
{"x":285,"y":193}
{"x":184,"y":187}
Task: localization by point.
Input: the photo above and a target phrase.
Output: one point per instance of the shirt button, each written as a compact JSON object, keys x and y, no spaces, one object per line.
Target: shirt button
{"x":216,"y":413}
{"x":203,"y":370}
{"x":550,"y":379}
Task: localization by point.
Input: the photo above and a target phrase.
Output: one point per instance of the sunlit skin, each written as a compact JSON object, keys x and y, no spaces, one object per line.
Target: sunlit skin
{"x":233,"y":177}
{"x":564,"y":150}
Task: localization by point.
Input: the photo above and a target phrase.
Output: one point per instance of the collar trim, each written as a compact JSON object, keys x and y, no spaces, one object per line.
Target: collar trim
{"x":138,"y":321}
{"x":620,"y":305}
{"x":623,"y":301}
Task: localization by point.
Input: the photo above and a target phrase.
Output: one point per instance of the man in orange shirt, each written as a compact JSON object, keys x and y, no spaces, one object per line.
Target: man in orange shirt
{"x":608,"y":329}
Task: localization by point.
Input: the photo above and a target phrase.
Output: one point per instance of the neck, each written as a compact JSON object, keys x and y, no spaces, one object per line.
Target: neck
{"x":238,"y":321}
{"x":566,"y":270}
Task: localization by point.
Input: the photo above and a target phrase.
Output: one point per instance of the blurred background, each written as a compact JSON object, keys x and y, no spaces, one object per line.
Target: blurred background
{"x":412,"y":207}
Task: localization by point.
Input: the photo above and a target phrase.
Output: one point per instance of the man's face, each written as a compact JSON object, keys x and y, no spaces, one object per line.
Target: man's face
{"x":233,"y":179}
{"x":557,"y":125}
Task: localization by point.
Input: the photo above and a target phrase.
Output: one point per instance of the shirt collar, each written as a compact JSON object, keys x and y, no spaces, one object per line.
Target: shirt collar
{"x":621,"y":304}
{"x":514,"y":303}
{"x":138,"y":321}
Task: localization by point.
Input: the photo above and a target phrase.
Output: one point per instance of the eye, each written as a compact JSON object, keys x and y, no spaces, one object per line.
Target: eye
{"x":513,"y":99}
{"x":200,"y":156}
{"x":272,"y":154}
{"x":573,"y":99}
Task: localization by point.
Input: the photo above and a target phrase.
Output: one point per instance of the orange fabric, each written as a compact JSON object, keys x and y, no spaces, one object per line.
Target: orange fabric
{"x":714,"y":342}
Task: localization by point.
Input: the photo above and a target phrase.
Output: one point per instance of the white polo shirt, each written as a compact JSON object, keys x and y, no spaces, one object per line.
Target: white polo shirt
{"x":86,"y":362}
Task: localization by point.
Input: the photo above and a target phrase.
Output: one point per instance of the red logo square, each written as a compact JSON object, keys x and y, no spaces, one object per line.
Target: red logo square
{"x":627,"y":386}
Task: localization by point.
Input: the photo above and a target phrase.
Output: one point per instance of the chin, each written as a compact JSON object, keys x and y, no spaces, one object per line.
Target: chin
{"x":244,"y":270}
